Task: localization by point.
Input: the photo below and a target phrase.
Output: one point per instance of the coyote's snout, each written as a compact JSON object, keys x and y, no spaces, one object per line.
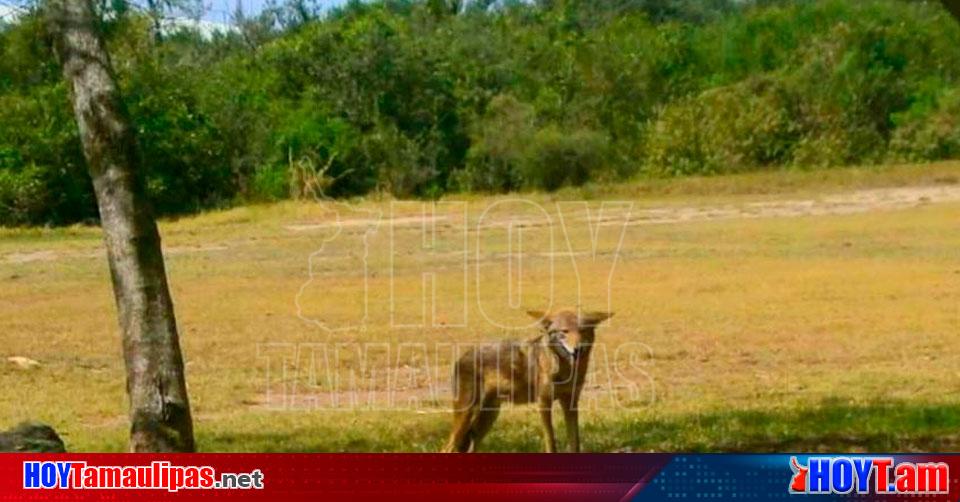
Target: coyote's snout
{"x":550,"y":367}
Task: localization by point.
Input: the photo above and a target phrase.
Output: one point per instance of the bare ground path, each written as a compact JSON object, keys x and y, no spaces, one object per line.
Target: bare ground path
{"x":848,"y":202}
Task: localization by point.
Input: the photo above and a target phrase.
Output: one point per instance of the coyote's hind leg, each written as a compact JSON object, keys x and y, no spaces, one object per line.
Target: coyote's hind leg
{"x":485,"y":417}
{"x":465,"y":405}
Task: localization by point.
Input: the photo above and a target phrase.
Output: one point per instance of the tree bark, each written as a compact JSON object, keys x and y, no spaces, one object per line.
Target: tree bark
{"x":159,"y":408}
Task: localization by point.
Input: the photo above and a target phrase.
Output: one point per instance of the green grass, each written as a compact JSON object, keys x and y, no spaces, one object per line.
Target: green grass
{"x":809,"y":332}
{"x":826,"y":426}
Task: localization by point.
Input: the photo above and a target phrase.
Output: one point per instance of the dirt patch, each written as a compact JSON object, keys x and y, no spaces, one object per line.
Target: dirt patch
{"x":854,"y":202}
{"x":31,"y":257}
{"x":362,"y":222}
{"x":861,"y":201}
{"x":176,"y":250}
{"x":49,"y":255}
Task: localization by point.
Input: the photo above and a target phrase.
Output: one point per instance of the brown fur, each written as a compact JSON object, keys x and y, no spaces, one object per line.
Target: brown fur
{"x":547,"y":368}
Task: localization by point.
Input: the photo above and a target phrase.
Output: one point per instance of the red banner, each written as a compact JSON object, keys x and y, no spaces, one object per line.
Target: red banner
{"x":292,"y":477}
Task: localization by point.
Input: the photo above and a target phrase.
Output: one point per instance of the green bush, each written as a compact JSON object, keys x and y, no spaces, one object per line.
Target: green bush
{"x":928,"y":132}
{"x":405,"y":167}
{"x":556,"y":158}
{"x":508,"y":151}
{"x":499,"y":146}
{"x":270,"y":182}
{"x":315,"y":155}
{"x":402,"y":98}
{"x":24,"y":197}
{"x":744,"y":126}
{"x":39,"y":146}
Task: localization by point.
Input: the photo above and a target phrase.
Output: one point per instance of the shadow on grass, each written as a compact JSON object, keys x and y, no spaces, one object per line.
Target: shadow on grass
{"x":830,"y":425}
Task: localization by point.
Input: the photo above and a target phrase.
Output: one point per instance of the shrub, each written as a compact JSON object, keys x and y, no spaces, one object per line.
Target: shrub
{"x":556,"y":158}
{"x":388,"y":95}
{"x":404,"y":167}
{"x":729,"y":129}
{"x":270,"y":182}
{"x":498,"y":146}
{"x":508,"y":151}
{"x":24,"y":197}
{"x":313,"y":155}
{"x":928,"y":132}
{"x":40,"y":157}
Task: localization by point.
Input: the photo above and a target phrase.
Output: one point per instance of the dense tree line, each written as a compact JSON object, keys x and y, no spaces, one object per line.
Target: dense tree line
{"x":421,"y":98}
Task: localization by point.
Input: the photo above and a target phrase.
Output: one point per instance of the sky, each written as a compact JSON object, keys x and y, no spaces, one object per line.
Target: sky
{"x":219,"y":11}
{"x":7,"y":11}
{"x":222,"y":10}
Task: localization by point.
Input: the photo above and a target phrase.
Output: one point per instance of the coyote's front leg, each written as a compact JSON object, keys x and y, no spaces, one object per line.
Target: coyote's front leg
{"x":546,"y":419}
{"x":571,"y":418}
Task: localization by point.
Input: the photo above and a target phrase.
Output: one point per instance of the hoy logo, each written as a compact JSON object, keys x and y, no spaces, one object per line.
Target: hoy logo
{"x":417,"y":265}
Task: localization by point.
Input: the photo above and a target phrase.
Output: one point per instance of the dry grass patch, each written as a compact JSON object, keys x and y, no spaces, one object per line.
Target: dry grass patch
{"x":824,"y":331}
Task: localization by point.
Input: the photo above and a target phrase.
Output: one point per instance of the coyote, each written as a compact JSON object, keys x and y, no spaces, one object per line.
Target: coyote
{"x":549,"y":367}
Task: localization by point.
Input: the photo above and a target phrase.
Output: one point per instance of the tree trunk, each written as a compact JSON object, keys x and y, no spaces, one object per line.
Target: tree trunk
{"x":159,"y":408}
{"x":953,"y":7}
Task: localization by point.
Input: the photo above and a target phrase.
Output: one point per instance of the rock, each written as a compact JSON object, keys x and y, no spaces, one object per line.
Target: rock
{"x":24,"y":363}
{"x":31,"y":437}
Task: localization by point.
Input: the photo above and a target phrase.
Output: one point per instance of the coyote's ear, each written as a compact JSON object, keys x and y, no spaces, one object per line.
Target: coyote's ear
{"x":540,"y":316}
{"x":591,"y":319}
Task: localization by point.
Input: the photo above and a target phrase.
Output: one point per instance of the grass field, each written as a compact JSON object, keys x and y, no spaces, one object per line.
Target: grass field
{"x":776,"y":311}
